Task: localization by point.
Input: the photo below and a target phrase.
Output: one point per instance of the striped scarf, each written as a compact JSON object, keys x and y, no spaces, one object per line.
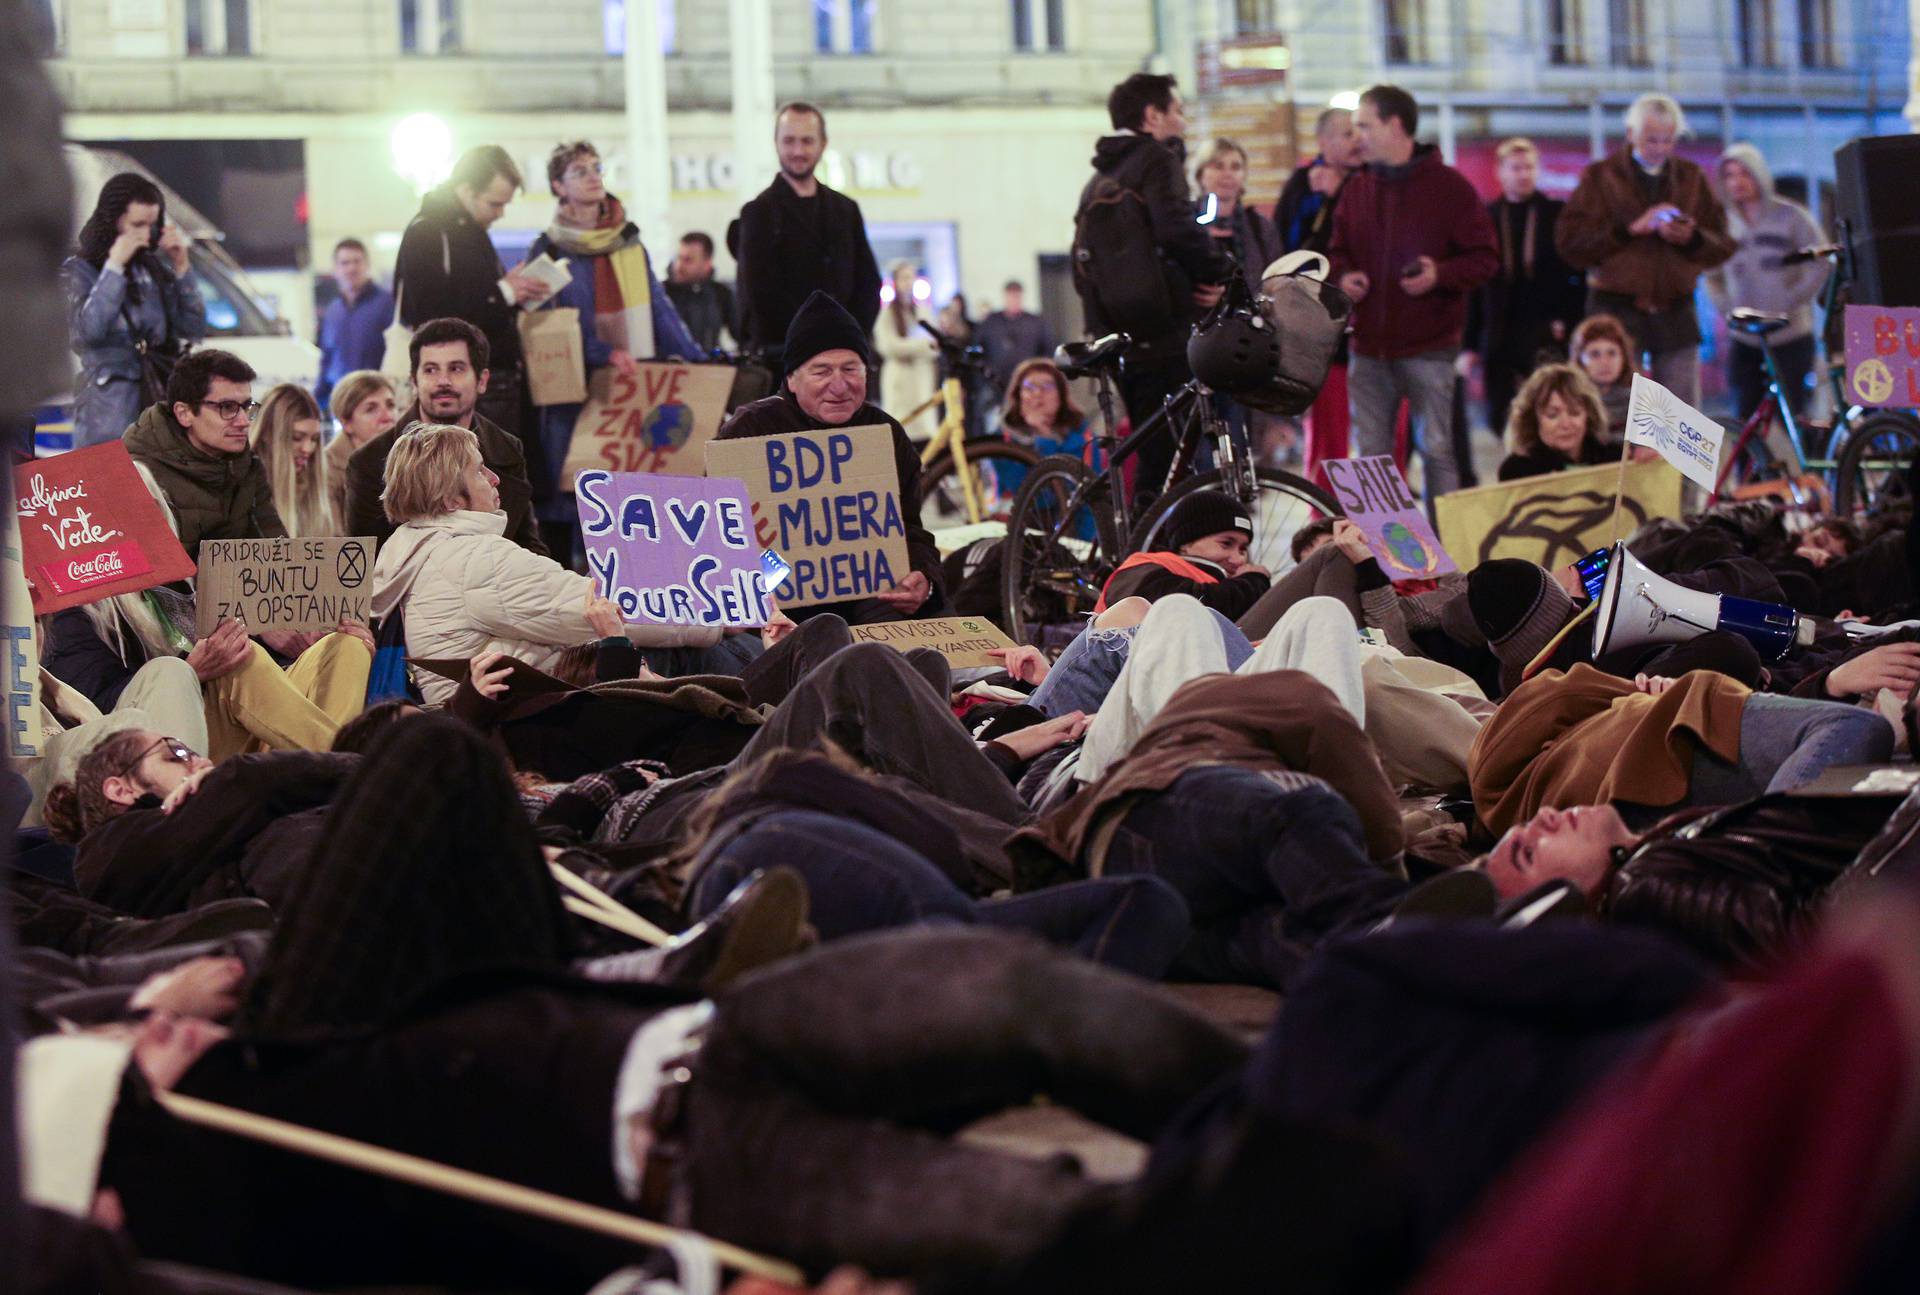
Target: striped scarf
{"x":622,"y":300}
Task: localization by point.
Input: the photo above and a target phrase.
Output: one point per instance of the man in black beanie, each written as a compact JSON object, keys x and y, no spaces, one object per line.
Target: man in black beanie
{"x":1203,"y":552}
{"x":826,"y":361}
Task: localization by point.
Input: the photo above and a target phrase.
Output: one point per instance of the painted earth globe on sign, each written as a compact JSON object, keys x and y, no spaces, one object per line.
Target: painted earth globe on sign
{"x":669,"y":426}
{"x":1407,"y":548}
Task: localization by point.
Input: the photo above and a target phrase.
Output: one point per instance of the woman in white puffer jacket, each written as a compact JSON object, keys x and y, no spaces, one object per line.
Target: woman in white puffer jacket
{"x":465,"y":587}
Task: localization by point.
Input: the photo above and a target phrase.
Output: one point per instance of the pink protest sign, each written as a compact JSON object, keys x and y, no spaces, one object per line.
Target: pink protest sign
{"x":1375,"y":498}
{"x":1883,"y":355}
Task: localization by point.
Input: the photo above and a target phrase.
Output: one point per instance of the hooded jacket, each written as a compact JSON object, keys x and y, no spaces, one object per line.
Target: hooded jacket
{"x":1389,"y":216}
{"x":1612,"y":194}
{"x":447,"y":268}
{"x":213,"y":496}
{"x":1753,"y":276}
{"x":466,"y":589}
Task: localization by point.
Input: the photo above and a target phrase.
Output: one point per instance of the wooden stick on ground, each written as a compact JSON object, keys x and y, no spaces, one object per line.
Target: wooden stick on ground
{"x":611,"y":920}
{"x":630,"y":922}
{"x":1619,"y":494}
{"x":462,"y":1182}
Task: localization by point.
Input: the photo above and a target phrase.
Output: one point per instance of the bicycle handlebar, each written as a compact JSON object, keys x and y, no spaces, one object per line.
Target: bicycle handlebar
{"x":1818,"y":252}
{"x":965,"y":357}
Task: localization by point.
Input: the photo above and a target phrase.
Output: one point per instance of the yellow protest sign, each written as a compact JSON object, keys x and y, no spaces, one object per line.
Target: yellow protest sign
{"x":1556,"y":519}
{"x":659,"y":419}
{"x":963,"y":640}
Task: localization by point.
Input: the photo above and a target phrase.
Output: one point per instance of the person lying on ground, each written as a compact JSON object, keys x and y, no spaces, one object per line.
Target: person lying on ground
{"x":1204,"y":554}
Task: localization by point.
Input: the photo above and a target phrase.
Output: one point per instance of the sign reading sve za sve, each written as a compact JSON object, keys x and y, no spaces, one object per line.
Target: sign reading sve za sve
{"x":672,"y":550}
{"x":829,"y":503}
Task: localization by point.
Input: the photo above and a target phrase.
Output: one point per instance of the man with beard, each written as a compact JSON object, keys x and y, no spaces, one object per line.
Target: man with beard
{"x":450,"y":358}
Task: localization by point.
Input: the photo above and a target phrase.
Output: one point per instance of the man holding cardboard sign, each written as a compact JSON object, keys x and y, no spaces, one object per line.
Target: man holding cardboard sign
{"x":827,"y":359}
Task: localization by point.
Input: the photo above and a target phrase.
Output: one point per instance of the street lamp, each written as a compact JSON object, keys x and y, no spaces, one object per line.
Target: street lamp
{"x":422,"y":150}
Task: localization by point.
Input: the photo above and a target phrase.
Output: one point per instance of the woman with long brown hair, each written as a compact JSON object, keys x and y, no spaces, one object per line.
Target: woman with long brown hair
{"x":286,"y":436}
{"x":909,"y":370}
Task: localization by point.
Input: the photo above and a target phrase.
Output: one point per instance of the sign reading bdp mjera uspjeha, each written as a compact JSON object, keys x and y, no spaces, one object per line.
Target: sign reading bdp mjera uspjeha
{"x":310,"y":583}
{"x":670,"y":550}
{"x":829,"y":503}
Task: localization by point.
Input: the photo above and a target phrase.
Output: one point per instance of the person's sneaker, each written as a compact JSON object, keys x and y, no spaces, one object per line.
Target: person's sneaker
{"x":1549,"y":902}
{"x":763,"y":920}
{"x":1459,"y":895}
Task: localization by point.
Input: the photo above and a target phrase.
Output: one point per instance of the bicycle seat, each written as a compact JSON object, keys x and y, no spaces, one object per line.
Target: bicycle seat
{"x":1755,"y":323}
{"x":1082,"y":359}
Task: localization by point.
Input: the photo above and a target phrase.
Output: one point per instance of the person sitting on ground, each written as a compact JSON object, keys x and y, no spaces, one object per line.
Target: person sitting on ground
{"x":827,"y":359}
{"x":363,"y":404}
{"x":1556,"y":422}
{"x":1040,"y":415}
{"x":1604,"y":351}
{"x":465,"y":588}
{"x":1205,"y":542}
{"x":286,"y":437}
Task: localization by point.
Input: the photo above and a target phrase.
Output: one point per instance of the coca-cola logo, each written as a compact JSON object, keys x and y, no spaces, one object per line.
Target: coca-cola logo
{"x":101,"y":566}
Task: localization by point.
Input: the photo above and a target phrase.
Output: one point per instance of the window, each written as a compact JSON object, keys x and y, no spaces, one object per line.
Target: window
{"x":1754,"y":20}
{"x":843,"y":26}
{"x":1405,"y":25}
{"x":613,"y":16}
{"x":1040,"y":25}
{"x":1254,"y":17}
{"x":1816,"y":34}
{"x":219,"y":27}
{"x":429,"y":26}
{"x":1567,"y":33}
{"x":1627,"y":33}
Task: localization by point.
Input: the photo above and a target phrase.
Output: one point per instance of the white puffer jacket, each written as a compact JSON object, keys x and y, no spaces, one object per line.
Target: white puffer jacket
{"x":466,"y":589}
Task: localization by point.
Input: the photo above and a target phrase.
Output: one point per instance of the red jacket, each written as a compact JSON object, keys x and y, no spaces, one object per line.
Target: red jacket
{"x":1388,"y":217}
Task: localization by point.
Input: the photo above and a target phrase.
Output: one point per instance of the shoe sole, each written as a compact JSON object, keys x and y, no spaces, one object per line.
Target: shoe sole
{"x":768,"y":927}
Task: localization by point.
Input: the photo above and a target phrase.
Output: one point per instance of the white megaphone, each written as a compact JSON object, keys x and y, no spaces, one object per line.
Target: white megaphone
{"x":1638,"y":608}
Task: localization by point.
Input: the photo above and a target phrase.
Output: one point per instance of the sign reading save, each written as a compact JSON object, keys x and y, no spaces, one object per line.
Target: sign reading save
{"x":670,"y":550}
{"x":829,"y":503}
{"x":1376,"y":499}
{"x":286,"y":584}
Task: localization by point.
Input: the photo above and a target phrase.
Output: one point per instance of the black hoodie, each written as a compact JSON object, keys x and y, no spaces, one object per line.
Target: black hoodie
{"x":448,"y":268}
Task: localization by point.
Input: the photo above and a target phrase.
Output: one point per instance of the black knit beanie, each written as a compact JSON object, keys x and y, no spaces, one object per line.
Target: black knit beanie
{"x":1519,"y":606}
{"x":823,"y":324}
{"x":1204,"y":513}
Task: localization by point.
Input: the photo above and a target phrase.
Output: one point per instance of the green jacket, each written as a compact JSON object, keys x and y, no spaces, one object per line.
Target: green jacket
{"x":213,"y":496}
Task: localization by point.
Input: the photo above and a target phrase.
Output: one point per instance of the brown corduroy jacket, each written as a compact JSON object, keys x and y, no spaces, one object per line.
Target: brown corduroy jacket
{"x":1592,"y":232}
{"x":1586,"y":737}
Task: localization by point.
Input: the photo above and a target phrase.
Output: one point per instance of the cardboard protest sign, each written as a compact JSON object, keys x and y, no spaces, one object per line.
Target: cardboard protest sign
{"x":1555,"y":519}
{"x":285,"y":584}
{"x":89,"y":529}
{"x":22,"y":672}
{"x":1883,"y":355}
{"x":657,"y":420}
{"x":828,"y":502}
{"x":554,"y":354}
{"x":1683,"y":435}
{"x":1375,"y":498}
{"x":962,"y":640}
{"x":670,"y":550}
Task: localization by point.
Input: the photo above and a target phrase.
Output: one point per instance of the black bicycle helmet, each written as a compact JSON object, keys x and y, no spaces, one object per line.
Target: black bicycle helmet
{"x":1237,"y":353}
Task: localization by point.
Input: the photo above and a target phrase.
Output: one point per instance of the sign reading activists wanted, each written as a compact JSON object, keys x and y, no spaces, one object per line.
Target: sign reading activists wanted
{"x":301,"y":584}
{"x":670,"y":550}
{"x":829,"y":503}
{"x":1555,"y":519}
{"x":656,"y":419}
{"x":963,"y":640}
{"x":1883,"y":355}
{"x":89,"y":529}
{"x":1375,"y":498}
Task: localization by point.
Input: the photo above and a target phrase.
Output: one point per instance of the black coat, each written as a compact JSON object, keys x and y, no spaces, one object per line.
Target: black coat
{"x":76,"y":655}
{"x":500,"y":450}
{"x":241,"y":833}
{"x":786,"y":251}
{"x":1297,"y":227}
{"x":1513,"y":312}
{"x":780,"y":414}
{"x":1231,"y":598}
{"x":448,"y":268}
{"x":1542,"y":460}
{"x":1189,"y":255}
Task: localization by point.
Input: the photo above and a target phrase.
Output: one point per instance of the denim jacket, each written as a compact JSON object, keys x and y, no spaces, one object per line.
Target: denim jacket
{"x":103,"y":324}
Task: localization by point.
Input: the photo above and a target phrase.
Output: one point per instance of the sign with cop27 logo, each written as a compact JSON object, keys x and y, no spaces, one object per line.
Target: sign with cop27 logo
{"x":829,"y":503}
{"x":1685,"y":437}
{"x":89,"y":529}
{"x":670,"y":550}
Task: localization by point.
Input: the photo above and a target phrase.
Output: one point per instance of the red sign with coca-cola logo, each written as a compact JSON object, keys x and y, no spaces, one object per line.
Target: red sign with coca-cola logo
{"x":89,"y":529}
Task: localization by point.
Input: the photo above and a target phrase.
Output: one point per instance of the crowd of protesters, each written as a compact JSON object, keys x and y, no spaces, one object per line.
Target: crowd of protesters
{"x":736,"y":930}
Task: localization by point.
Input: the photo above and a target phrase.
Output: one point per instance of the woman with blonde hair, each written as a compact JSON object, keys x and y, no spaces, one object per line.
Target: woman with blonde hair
{"x":286,"y":436}
{"x":1556,"y":422}
{"x":909,"y":368}
{"x":365,"y":405}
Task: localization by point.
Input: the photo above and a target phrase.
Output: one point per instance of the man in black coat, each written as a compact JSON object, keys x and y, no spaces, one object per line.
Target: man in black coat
{"x":447,"y":268}
{"x":800,"y":237}
{"x":1533,"y":304}
{"x":827,"y":360}
{"x":1144,"y":157}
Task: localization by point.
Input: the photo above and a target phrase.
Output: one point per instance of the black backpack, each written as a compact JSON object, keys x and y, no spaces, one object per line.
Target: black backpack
{"x":1116,"y":265}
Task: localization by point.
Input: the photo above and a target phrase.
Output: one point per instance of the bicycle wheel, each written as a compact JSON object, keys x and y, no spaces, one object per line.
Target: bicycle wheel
{"x":1283,"y":505}
{"x":1872,"y":469}
{"x":1052,"y":564}
{"x":943,"y":499}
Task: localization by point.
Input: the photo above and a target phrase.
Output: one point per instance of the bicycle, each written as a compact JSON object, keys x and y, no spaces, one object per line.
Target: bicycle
{"x":959,"y":484}
{"x":1070,"y":527}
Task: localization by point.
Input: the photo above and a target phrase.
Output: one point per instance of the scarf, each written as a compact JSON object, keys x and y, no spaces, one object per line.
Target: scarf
{"x":1527,"y":239}
{"x":622,"y":295}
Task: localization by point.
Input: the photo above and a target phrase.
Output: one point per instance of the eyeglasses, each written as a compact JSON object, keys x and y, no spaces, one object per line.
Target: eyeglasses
{"x":1037,"y":385}
{"x":177,"y":751}
{"x":581,"y":172}
{"x":230,"y":410}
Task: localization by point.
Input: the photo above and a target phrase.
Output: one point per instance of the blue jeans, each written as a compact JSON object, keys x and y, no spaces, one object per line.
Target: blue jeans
{"x":729,"y":657}
{"x":859,"y":879}
{"x":1085,"y":673}
{"x":1267,"y":869}
{"x":1787,"y":742}
{"x":1374,"y":391}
